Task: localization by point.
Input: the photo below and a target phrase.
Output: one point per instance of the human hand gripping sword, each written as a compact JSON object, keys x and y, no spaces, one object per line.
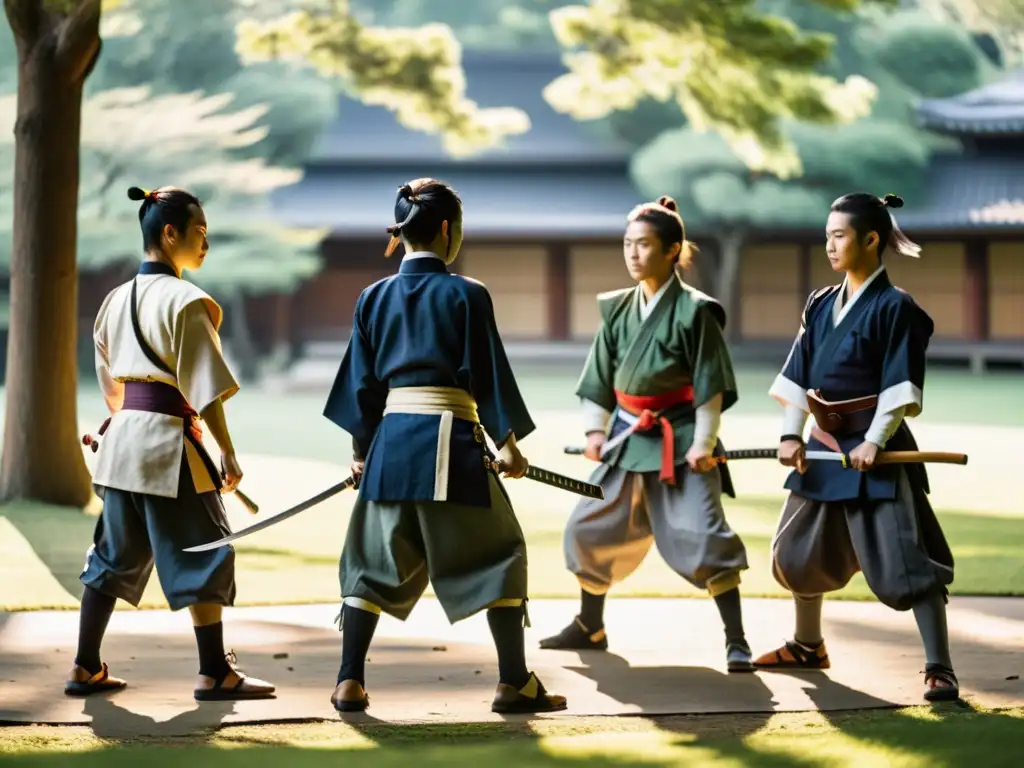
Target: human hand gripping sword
{"x":93,"y":443}
{"x":533,"y":473}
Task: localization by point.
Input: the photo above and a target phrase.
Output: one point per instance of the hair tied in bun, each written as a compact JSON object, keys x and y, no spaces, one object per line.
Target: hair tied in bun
{"x":137,"y":193}
{"x":892,"y":201}
{"x":667,"y":202}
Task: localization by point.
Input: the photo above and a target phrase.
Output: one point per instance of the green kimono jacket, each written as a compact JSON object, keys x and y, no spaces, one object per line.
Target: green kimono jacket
{"x":679,"y":343}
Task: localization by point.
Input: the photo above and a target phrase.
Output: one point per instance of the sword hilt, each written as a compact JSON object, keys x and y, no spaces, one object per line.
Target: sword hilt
{"x":553,"y":479}
{"x":249,"y":504}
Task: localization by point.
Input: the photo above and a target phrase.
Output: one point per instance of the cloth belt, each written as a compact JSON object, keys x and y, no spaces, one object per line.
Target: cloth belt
{"x":447,"y":402}
{"x":160,"y":397}
{"x":839,"y":418}
{"x":647,"y":411}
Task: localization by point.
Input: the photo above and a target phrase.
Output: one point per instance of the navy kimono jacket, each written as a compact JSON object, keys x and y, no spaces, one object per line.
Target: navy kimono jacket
{"x":424,"y":327}
{"x":878,"y":348}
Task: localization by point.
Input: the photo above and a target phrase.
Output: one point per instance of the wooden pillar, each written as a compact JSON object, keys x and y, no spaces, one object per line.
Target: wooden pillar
{"x":976,"y":289}
{"x":806,"y":276}
{"x":558,"y":284}
{"x":282,"y":334}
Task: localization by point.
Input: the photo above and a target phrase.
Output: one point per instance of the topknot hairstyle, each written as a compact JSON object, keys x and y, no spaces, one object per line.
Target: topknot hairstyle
{"x":420,"y":208}
{"x":663,"y":217}
{"x":869,"y":213}
{"x":160,"y":207}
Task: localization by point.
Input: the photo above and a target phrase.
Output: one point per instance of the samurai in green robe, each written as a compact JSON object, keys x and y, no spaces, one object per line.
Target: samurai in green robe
{"x":658,"y":377}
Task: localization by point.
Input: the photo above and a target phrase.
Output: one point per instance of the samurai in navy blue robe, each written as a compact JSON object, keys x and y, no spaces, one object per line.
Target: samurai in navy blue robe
{"x":424,"y":376}
{"x":858,"y":366}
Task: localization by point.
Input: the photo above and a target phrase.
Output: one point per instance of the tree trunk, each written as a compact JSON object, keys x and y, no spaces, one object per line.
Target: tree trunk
{"x":727,"y":278}
{"x":42,"y":450}
{"x":241,"y":340}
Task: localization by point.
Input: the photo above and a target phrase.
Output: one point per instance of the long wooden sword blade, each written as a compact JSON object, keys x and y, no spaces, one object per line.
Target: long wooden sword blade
{"x":884,"y":457}
{"x":275,"y":519}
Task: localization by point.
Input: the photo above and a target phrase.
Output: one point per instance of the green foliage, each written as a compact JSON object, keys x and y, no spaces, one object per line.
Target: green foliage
{"x":189,"y":45}
{"x":714,"y":187}
{"x":883,"y":152}
{"x":507,"y":25}
{"x":1003,"y":20}
{"x":170,"y":102}
{"x":933,"y":58}
{"x":131,"y":137}
{"x":727,"y":65}
{"x":252,"y":254}
{"x":414,"y":72}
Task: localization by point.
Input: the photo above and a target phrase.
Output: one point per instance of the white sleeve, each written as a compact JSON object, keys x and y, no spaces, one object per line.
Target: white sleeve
{"x":884,"y":425}
{"x":788,"y":392}
{"x":505,"y":454}
{"x":708,"y":421}
{"x":794,"y":419}
{"x":595,"y":418}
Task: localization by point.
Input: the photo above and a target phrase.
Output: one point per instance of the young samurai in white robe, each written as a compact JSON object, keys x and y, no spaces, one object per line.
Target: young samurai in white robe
{"x":159,"y":363}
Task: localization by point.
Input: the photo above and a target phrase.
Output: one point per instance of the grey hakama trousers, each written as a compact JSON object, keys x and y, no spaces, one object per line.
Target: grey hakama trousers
{"x":606,"y":540}
{"x":473,"y":556}
{"x":136,"y":530}
{"x":897,"y":544}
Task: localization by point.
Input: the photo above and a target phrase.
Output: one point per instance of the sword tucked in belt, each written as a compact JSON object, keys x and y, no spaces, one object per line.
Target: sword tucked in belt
{"x":839,"y":417}
{"x":159,"y":397}
{"x":647,"y":412}
{"x":453,"y":403}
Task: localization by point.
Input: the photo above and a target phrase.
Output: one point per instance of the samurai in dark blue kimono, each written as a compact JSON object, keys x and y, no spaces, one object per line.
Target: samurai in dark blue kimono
{"x":858,"y":367}
{"x":424,"y":376}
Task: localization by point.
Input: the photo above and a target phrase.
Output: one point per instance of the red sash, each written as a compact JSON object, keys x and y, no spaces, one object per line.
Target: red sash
{"x":648,"y":409}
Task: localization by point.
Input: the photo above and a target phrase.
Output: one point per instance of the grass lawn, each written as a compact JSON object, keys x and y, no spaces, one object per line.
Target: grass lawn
{"x":908,"y":738}
{"x":291,"y":452}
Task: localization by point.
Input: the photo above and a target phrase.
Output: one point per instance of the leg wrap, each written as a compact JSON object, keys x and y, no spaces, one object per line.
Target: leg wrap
{"x":723,"y":582}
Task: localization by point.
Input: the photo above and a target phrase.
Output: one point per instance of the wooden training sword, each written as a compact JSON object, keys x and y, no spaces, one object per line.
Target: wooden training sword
{"x":883,"y":457}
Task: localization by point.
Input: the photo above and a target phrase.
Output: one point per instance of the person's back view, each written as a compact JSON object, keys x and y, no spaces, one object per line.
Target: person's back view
{"x":424,"y":374}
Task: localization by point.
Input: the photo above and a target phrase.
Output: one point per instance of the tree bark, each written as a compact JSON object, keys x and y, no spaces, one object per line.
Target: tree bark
{"x":42,"y":449}
{"x":241,"y":338}
{"x":730,"y":254}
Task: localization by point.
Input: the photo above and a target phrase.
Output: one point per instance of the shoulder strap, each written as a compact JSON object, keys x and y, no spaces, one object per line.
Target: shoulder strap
{"x":146,"y":349}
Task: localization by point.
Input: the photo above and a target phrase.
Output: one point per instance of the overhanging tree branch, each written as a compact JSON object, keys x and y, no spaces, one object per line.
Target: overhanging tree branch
{"x":79,"y":41}
{"x":26,"y":20}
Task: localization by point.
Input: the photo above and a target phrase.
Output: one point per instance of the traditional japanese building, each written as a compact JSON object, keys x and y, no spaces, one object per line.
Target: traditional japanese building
{"x":545,"y":215}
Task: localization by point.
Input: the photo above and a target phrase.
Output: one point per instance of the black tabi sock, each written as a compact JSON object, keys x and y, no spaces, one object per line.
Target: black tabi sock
{"x":212,"y":658}
{"x":731,"y":611}
{"x":358,"y":627}
{"x":509,"y":639}
{"x":92,"y":624}
{"x":592,"y":611}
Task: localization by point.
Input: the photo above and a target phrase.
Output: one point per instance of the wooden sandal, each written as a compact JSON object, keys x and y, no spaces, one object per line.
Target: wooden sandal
{"x":939,"y":672}
{"x":793,"y":655}
{"x":244,"y":688}
{"x":342,"y":703}
{"x":532,"y":698}
{"x":98,"y":683}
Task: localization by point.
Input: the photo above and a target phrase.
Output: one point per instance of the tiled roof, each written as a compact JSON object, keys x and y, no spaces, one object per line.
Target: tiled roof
{"x":997,"y":108}
{"x":963,"y":192}
{"x":969,"y":192}
{"x":558,"y":202}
